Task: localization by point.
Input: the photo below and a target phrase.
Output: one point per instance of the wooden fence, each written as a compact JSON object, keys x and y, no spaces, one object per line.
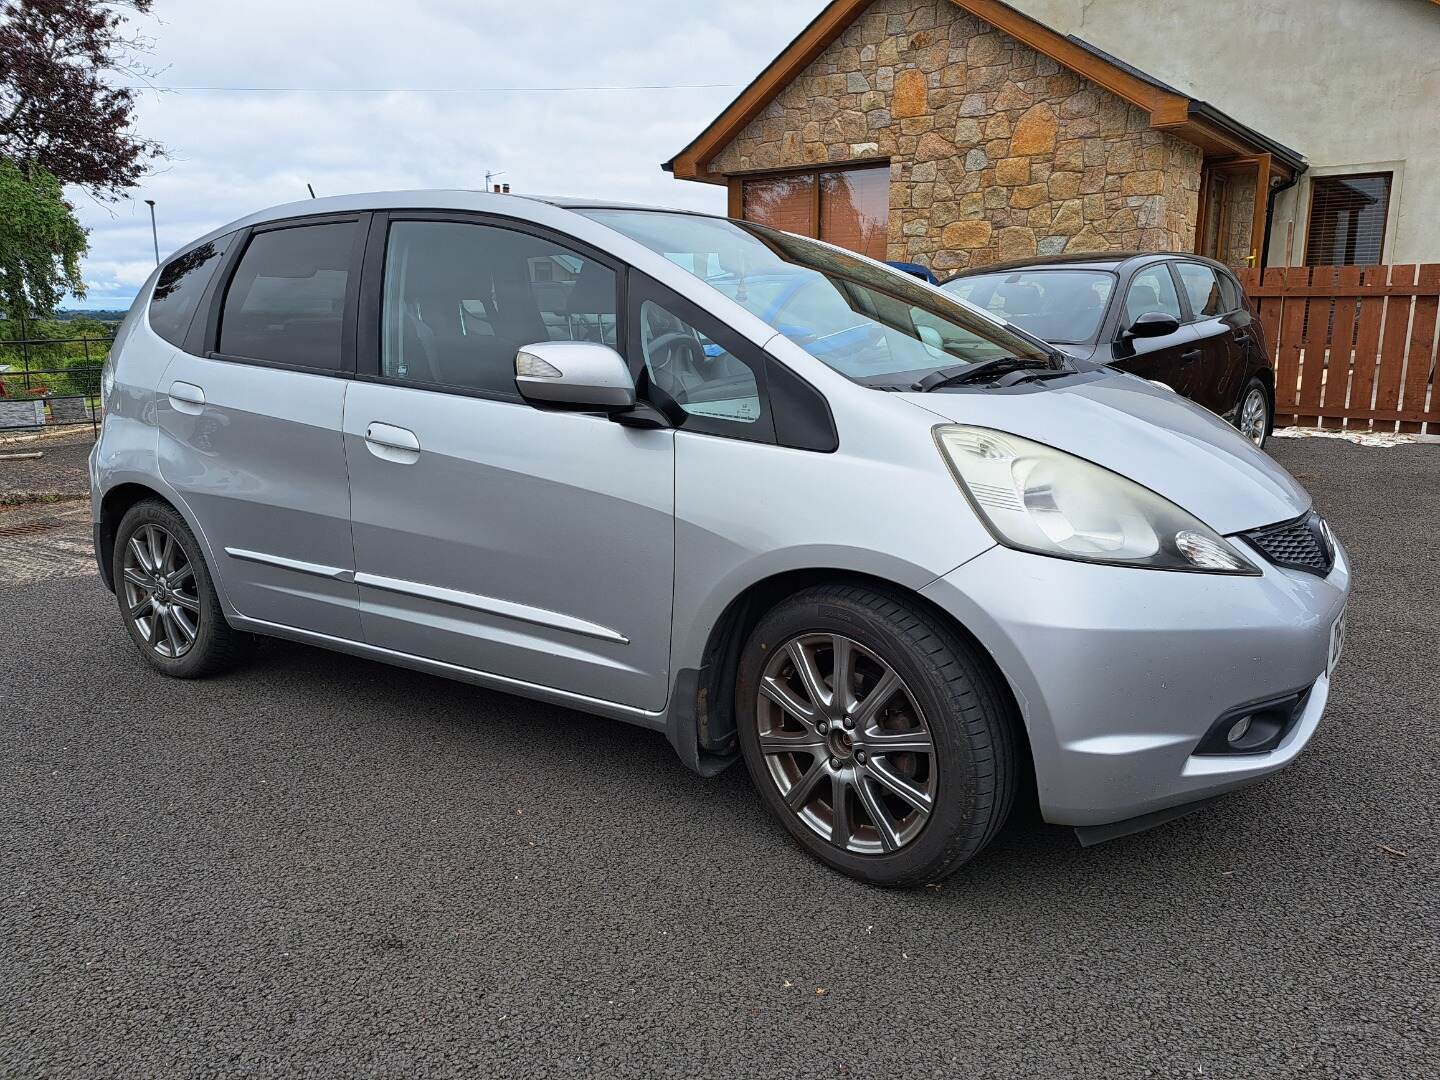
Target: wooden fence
{"x":1353,"y":346}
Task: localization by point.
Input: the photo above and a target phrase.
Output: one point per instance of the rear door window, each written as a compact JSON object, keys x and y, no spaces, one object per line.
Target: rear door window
{"x":1202,"y":289}
{"x":286,"y":302}
{"x":179,"y":288}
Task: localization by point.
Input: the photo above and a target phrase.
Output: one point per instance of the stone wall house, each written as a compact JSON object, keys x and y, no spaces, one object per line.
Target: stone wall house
{"x":997,"y":148}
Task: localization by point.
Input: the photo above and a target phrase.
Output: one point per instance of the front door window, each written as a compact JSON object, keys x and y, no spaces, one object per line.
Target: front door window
{"x":701,"y":376}
{"x":1152,"y":290}
{"x":460,"y":300}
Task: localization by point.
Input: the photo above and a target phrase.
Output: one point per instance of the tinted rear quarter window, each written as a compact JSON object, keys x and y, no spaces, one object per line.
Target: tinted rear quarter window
{"x":286,"y":303}
{"x":1230,"y":293}
{"x":181,"y":284}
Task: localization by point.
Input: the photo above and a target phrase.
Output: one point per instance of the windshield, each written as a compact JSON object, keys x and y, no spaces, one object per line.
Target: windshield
{"x":870,"y":323}
{"x":1064,"y":306}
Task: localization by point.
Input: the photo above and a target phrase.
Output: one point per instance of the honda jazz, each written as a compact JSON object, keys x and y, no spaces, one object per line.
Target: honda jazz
{"x":774,"y":500}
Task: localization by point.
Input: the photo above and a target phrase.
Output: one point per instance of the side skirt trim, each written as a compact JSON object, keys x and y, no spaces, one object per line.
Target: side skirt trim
{"x":655,"y":721}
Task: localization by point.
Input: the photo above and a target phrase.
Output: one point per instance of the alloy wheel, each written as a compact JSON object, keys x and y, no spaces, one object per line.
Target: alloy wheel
{"x":846,"y":744}
{"x":1255,"y":416}
{"x":161,"y":598}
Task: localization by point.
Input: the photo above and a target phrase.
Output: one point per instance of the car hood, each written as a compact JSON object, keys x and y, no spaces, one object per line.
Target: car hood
{"x":1144,"y":432}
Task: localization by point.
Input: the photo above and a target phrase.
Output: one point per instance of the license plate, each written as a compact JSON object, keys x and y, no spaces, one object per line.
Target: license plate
{"x":1337,"y":643}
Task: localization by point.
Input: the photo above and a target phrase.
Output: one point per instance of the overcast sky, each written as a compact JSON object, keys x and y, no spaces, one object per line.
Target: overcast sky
{"x":229,"y":153}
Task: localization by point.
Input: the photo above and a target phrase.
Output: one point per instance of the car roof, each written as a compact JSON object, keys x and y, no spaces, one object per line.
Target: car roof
{"x":512,"y":204}
{"x":437,"y":198}
{"x":1091,"y":260}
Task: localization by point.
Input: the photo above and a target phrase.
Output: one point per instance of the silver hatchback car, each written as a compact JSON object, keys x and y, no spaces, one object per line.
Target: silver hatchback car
{"x":773,"y":499}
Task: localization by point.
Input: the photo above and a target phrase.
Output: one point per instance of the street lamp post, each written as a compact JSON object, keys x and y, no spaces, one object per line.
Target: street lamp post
{"x":154,"y":236}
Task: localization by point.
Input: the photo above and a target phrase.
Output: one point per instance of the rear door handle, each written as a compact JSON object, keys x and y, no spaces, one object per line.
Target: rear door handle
{"x":1189,"y":356}
{"x":391,"y":443}
{"x":187,"y":397}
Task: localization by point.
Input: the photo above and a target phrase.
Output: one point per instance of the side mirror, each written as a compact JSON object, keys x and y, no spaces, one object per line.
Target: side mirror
{"x":1153,"y":324}
{"x":578,"y":374}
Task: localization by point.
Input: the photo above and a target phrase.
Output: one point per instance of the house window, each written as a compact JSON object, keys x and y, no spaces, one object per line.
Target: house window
{"x":846,"y":207}
{"x":1347,"y":220}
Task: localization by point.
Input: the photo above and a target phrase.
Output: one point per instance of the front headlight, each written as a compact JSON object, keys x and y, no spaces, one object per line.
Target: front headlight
{"x":1036,"y":498}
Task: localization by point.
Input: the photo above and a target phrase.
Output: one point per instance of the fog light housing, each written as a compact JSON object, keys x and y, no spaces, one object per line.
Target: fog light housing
{"x":1257,"y":728}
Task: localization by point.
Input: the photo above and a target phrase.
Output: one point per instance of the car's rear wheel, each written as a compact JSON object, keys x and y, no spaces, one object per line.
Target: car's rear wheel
{"x":875,"y":734}
{"x":1253,"y":416}
{"x":167,"y":598}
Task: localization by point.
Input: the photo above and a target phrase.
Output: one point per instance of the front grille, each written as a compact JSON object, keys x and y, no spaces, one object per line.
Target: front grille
{"x":1301,"y":544}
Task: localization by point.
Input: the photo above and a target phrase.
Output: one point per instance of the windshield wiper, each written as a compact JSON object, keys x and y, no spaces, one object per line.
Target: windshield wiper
{"x":979,"y":372}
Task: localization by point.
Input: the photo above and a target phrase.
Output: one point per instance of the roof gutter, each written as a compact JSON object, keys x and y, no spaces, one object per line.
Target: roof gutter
{"x":1275,"y":189}
{"x":1293,"y":160}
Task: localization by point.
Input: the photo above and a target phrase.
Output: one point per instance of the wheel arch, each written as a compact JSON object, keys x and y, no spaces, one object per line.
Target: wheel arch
{"x":701,"y":723}
{"x":1266,"y":375}
{"x":116,"y":502}
{"x":114,"y":505}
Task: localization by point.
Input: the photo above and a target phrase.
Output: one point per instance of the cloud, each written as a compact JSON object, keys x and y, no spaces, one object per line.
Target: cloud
{"x":232,"y":153}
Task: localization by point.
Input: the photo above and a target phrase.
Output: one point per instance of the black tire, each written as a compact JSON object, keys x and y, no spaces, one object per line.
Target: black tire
{"x":216,"y":645}
{"x":1256,"y":385}
{"x":970,"y":717}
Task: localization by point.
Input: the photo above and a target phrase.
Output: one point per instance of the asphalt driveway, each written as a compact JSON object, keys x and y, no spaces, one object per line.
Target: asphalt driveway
{"x":321,"y":866}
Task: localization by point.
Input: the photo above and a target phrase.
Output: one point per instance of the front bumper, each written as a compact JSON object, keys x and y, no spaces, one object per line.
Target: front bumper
{"x":1119,"y":672}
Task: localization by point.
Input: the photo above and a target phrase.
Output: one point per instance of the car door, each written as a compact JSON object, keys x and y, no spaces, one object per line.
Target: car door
{"x":535,"y":545}
{"x":1169,"y":359}
{"x":250,"y":413}
{"x":1221,"y":332}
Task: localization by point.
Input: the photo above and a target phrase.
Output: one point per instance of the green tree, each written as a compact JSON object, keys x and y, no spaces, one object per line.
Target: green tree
{"x":41,"y":243}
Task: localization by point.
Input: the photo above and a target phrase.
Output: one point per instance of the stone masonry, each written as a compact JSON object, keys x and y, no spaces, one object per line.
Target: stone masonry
{"x":995,"y":151}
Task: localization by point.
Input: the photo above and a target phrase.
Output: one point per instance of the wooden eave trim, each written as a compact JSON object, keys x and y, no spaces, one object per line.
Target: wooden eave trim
{"x":690,"y":163}
{"x":1168,"y":111}
{"x":1225,"y":146}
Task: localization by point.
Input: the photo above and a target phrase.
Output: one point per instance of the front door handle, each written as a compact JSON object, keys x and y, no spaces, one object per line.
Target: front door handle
{"x":1189,"y":356}
{"x":187,"y":397}
{"x":391,"y":443}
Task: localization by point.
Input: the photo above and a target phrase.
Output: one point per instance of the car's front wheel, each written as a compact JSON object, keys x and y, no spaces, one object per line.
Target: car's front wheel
{"x":875,"y":734}
{"x":167,"y":598}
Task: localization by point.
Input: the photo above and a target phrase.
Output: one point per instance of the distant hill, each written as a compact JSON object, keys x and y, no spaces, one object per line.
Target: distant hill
{"x":108,"y":315}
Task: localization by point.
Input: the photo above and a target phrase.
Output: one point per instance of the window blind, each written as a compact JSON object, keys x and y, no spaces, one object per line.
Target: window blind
{"x":1347,"y":220}
{"x":782,"y":202}
{"x":855,"y":210}
{"x":852,"y":206}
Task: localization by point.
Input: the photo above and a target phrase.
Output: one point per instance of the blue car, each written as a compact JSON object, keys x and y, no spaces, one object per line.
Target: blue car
{"x":786,"y":298}
{"x":916,"y":270}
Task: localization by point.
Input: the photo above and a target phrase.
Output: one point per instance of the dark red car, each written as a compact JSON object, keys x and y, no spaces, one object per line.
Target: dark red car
{"x":1181,"y":320}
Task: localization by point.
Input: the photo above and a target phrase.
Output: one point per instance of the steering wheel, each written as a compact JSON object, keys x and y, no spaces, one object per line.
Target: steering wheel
{"x":663,"y":350}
